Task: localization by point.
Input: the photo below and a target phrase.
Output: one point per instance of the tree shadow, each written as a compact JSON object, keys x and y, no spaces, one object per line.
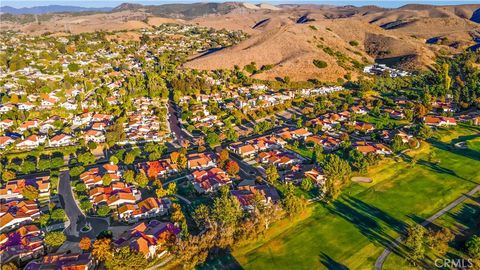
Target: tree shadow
{"x":435,"y":167}
{"x":366,"y":219}
{"x":330,"y":263}
{"x":475,"y":155}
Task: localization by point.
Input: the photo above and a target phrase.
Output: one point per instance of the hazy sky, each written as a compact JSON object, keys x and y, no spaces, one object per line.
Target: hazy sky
{"x":112,"y":3}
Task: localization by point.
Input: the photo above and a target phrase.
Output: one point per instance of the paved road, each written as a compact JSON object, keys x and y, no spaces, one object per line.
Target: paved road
{"x":77,"y":219}
{"x":175,"y":125}
{"x":398,"y":241}
{"x":183,"y":199}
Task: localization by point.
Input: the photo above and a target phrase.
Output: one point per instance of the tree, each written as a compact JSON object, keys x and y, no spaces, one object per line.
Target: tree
{"x":318,"y":155}
{"x":161,"y":192}
{"x":473,"y":247}
{"x":223,"y":158}
{"x":141,"y":179}
{"x":272,"y":174}
{"x":292,"y":204}
{"x":213,"y":139}
{"x":129,"y":176}
{"x":106,"y":179}
{"x":172,"y":189}
{"x":76,"y":171}
{"x":319,"y":63}
{"x":9,"y":266}
{"x":232,"y":168}
{"x":425,"y":132}
{"x":125,"y":258}
{"x":201,"y":216}
{"x":226,"y":209}
{"x":59,"y":215}
{"x":43,"y":220}
{"x":86,"y":158}
{"x":55,"y":238}
{"x":114,"y":160}
{"x":307,"y":184}
{"x":397,"y":144}
{"x":438,"y":240}
{"x":86,"y":205}
{"x":30,"y":192}
{"x":336,"y":172}
{"x":415,"y":242}
{"x":80,"y":187}
{"x":102,"y":249}
{"x":129,"y":158}
{"x":8,"y":175}
{"x":85,"y":243}
{"x":103,"y":211}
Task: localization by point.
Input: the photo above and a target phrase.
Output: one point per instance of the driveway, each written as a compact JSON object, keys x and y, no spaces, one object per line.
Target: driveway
{"x":77,"y":219}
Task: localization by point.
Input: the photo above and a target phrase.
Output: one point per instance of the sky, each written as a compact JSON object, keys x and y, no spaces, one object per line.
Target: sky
{"x":113,"y":3}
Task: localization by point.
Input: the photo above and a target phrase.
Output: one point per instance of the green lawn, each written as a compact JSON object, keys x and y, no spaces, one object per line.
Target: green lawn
{"x":462,"y":221}
{"x":354,"y":230}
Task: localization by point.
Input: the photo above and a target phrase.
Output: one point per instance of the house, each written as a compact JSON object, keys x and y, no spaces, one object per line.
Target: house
{"x":244,"y":150}
{"x":148,"y":239}
{"x":15,"y":213}
{"x":12,"y":190}
{"x":25,"y":106}
{"x":60,"y":140}
{"x":98,"y":117}
{"x":299,"y":172}
{"x":300,"y":133}
{"x":248,"y":194}
{"x":21,"y":245}
{"x":201,"y":161}
{"x":121,"y":198}
{"x":67,"y":261}
{"x":359,"y":110}
{"x":28,"y":125}
{"x":148,"y":208}
{"x":30,"y":142}
{"x":6,"y":108}
{"x":94,"y":136}
{"x":439,"y":121}
{"x":5,"y":141}
{"x":209,"y":180}
{"x":4,"y":124}
{"x":363,"y":127}
{"x":368,"y":147}
{"x":158,"y":168}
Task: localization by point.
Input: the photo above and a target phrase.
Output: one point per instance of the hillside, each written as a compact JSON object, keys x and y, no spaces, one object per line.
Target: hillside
{"x":292,"y":38}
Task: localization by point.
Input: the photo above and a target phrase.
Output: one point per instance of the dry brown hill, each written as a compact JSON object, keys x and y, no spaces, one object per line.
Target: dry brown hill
{"x":291,"y":38}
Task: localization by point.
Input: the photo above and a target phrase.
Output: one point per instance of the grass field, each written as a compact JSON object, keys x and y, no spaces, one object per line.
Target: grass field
{"x":462,"y":221}
{"x":355,"y":229}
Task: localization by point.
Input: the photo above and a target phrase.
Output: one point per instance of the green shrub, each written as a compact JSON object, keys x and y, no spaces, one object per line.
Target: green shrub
{"x":320,"y":63}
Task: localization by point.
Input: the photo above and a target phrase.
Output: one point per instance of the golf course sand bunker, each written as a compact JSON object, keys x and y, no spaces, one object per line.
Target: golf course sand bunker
{"x":360,"y":179}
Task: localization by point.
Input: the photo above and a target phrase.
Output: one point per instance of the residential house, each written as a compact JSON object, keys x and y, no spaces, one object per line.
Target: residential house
{"x":60,"y":140}
{"x":23,"y":244}
{"x":16,"y":213}
{"x":209,"y":180}
{"x":148,"y":239}
{"x":67,"y":261}
{"x":439,"y":121}
{"x":148,"y":208}
{"x":201,"y":161}
{"x":247,"y":195}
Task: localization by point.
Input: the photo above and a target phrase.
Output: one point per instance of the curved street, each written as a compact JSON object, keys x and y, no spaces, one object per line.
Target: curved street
{"x":77,"y":219}
{"x":381,"y":260}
